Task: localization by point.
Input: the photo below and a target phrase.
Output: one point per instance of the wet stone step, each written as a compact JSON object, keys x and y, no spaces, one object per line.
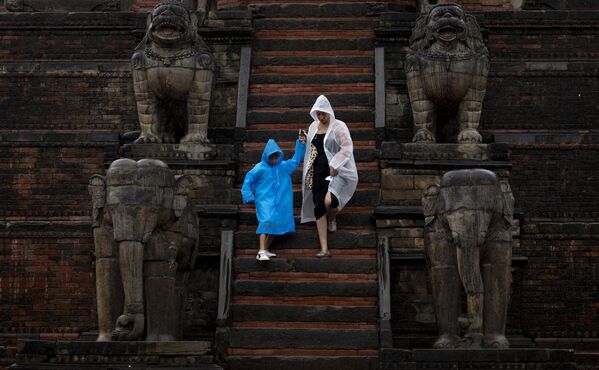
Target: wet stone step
{"x":307,"y":100}
{"x":360,"y":155}
{"x":304,"y":313}
{"x":307,"y":237}
{"x":258,"y":136}
{"x":347,"y":23}
{"x":345,"y":218}
{"x":303,"y":362}
{"x":312,"y":60}
{"x":303,"y":338}
{"x":364,"y":43}
{"x":312,"y":78}
{"x":304,"y":289}
{"x":288,"y":264}
{"x":337,"y":253}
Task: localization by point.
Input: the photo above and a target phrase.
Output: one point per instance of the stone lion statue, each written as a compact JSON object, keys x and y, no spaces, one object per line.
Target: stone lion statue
{"x":173,"y":74}
{"x":446,"y":71}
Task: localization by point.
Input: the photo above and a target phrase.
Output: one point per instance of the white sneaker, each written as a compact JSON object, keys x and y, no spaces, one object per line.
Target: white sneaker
{"x":270,"y":255}
{"x":262,"y":256}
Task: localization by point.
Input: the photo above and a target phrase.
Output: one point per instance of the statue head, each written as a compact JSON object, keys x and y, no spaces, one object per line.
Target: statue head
{"x":171,"y":24}
{"x":448,"y":26}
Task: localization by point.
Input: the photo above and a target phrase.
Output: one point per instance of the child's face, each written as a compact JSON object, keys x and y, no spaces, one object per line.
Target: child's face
{"x":272,"y":159}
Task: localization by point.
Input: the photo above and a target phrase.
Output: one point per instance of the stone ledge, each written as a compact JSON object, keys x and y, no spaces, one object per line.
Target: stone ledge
{"x":493,"y":355}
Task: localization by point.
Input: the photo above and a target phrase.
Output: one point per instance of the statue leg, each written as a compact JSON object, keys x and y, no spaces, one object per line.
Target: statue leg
{"x":423,"y":110}
{"x":496,"y":270}
{"x":109,"y":290}
{"x":161,"y":296}
{"x":198,"y":107}
{"x":466,"y":227}
{"x":441,"y":257}
{"x":470,"y":108}
{"x":146,"y":106}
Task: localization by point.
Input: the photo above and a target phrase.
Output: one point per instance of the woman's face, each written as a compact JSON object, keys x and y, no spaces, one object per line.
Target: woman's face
{"x":322,"y":117}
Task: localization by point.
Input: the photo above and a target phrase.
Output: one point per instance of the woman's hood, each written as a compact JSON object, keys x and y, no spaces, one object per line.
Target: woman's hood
{"x":271,"y":147}
{"x":322,"y":104}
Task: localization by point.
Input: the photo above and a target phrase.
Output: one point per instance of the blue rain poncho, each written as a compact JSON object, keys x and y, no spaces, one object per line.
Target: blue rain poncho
{"x":270,"y":188}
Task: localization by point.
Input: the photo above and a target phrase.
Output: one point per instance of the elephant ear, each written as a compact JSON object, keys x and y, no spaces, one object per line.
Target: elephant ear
{"x":97,"y":190}
{"x":184,"y":184}
{"x":508,"y":201}
{"x":429,"y":202}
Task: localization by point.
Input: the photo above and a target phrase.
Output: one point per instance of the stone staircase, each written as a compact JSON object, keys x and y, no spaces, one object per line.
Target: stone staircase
{"x":297,"y":311}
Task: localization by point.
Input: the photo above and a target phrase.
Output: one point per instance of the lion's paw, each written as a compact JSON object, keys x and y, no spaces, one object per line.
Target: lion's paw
{"x":469,"y":136}
{"x":423,"y":135}
{"x":196,"y":138}
{"x":146,"y":139}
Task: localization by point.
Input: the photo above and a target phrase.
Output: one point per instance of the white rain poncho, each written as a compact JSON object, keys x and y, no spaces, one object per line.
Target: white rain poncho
{"x":339,"y":150}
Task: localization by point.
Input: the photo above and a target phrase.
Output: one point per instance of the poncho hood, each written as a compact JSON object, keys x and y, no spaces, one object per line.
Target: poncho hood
{"x":270,"y":148}
{"x":322,"y":104}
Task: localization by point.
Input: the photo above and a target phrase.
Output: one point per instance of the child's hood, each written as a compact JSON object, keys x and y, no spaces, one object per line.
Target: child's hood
{"x":270,"y":148}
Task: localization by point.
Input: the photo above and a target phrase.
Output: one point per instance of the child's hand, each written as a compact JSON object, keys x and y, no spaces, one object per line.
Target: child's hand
{"x":302,"y":139}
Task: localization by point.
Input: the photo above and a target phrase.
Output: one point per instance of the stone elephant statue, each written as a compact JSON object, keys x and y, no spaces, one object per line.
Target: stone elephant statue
{"x":145,"y":235}
{"x":468,"y":242}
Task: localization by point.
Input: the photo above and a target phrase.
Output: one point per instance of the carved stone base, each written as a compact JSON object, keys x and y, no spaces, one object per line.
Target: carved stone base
{"x":171,"y":151}
{"x":433,"y":151}
{"x":48,"y":355}
{"x":63,"y":5}
{"x":445,"y":359}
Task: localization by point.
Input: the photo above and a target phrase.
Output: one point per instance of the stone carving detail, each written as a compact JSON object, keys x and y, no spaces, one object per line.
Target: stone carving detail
{"x":446,"y":71}
{"x":173,"y":74}
{"x":62,"y":5}
{"x":468,"y":242}
{"x":145,"y":235}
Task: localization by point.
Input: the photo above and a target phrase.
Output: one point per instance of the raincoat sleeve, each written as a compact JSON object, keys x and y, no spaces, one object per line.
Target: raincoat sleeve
{"x":347,"y":147}
{"x":291,"y":164}
{"x":247,"y":190}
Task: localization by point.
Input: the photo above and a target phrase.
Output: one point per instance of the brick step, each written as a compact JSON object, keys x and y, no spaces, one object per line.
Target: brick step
{"x":355,"y":113}
{"x":315,"y":23}
{"x":306,"y":236}
{"x":286,"y":263}
{"x":291,"y":100}
{"x":304,"y":338}
{"x":261,"y":136}
{"x":316,"y":43}
{"x":286,"y":53}
{"x":300,"y":310}
{"x":347,"y":61}
{"x":585,"y":358}
{"x":311,"y":78}
{"x":313,"y":34}
{"x":299,"y":9}
{"x":369,"y":177}
{"x":315,"y":89}
{"x":278,"y":289}
{"x":361,"y":154}
{"x":304,"y":325}
{"x":349,"y":216}
{"x":338,"y":252}
{"x":361,"y":198}
{"x":290,"y":145}
{"x":309,"y":277}
{"x":337,"y":360}
{"x":311,"y":69}
{"x":312,"y":300}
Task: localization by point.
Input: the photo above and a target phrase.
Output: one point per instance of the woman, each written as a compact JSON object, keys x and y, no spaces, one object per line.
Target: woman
{"x":330,"y":176}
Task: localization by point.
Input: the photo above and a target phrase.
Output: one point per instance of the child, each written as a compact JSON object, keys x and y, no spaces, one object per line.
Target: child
{"x":269,"y":185}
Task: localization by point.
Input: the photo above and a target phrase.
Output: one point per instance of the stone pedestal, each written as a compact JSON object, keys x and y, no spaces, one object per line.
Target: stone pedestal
{"x":457,"y":359}
{"x":49,"y":355}
{"x":407,"y":169}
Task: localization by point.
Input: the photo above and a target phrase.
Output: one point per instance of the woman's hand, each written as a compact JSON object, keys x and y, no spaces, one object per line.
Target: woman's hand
{"x":332,"y":171}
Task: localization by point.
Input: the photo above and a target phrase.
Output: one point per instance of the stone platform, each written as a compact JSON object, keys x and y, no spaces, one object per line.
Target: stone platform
{"x":477,"y":359}
{"x":50,"y":355}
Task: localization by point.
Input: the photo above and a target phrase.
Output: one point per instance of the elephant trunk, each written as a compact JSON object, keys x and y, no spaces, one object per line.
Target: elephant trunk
{"x":131,"y":325}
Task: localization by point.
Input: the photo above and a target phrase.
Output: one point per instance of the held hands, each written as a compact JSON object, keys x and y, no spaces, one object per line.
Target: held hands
{"x":332,"y":171}
{"x":302,"y":136}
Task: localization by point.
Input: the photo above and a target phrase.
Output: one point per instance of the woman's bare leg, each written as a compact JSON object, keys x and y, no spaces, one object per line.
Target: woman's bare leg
{"x":321,"y":226}
{"x":331,"y":212}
